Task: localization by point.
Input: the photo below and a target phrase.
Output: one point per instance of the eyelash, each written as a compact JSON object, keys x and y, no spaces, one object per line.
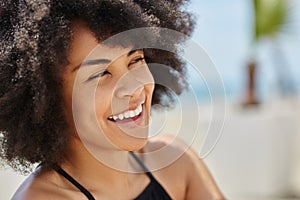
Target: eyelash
{"x":99,"y":74}
{"x":103,"y":73}
{"x":137,"y":60}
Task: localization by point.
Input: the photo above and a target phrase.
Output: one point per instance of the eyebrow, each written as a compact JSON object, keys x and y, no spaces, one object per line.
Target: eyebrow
{"x":101,"y":61}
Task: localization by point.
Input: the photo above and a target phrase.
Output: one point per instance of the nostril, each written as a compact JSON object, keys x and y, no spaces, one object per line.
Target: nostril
{"x":133,"y":82}
{"x":129,"y":90}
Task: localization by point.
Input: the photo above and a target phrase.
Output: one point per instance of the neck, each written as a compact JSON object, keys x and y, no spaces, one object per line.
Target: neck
{"x":108,"y":169}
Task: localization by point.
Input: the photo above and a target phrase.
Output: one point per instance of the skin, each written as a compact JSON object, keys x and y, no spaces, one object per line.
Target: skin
{"x":185,"y":178}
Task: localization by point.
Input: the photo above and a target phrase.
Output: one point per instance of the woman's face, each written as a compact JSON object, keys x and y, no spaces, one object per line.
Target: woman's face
{"x":107,"y":93}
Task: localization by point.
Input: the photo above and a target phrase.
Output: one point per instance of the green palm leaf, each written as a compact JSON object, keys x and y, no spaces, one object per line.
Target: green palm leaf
{"x":271,"y":16}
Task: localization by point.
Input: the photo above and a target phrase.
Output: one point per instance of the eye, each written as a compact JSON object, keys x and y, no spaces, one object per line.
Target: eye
{"x":98,"y":74}
{"x":137,"y":60}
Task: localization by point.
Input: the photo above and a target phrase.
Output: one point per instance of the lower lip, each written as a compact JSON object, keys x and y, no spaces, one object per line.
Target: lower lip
{"x":132,"y":122}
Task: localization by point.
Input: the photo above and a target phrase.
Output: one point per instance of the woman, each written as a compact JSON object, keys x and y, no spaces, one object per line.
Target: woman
{"x":84,"y":118}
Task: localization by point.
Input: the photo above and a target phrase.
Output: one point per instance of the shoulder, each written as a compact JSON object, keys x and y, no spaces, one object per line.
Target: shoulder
{"x":176,"y":156}
{"x":173,"y":149}
{"x":169,"y":151}
{"x":168,"y":141}
{"x":39,"y":186}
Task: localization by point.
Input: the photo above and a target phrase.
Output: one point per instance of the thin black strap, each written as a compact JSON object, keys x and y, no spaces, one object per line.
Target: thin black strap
{"x":141,"y":164}
{"x":154,"y":190}
{"x":75,"y":183}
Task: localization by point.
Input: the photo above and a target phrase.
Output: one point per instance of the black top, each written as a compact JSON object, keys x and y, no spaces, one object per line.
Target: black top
{"x":153,"y":191}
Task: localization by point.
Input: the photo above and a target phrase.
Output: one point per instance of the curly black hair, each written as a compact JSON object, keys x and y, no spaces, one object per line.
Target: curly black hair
{"x":35,"y":38}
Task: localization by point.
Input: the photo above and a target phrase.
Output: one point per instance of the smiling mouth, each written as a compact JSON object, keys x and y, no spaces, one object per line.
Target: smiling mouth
{"x":130,"y":114}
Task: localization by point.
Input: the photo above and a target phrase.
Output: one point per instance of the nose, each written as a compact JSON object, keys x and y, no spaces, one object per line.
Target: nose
{"x":129,"y":86}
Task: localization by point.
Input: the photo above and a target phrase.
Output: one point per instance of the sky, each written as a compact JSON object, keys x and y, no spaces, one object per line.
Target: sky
{"x":224,"y":31}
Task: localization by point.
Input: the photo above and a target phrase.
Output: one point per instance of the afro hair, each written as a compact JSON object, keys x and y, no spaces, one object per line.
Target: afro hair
{"x":35,"y":37}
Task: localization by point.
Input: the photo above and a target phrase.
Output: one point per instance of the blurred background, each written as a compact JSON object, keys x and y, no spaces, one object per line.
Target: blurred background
{"x":254,"y":45}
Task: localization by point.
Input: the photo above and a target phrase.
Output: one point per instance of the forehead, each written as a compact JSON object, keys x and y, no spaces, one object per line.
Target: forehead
{"x":84,"y":45}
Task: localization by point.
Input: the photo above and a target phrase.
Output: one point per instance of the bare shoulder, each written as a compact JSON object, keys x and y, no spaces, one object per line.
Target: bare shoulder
{"x":171,"y":148}
{"x":171,"y":151}
{"x":175,"y":156}
{"x":163,"y":140}
{"x":37,"y":186}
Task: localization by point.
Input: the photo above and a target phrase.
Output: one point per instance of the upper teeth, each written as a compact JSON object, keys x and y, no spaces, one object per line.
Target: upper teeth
{"x":127,"y":114}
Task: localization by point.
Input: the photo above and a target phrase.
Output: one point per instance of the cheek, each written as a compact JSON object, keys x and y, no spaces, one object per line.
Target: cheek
{"x":103,"y":96}
{"x":67,"y":92}
{"x":149,"y":88}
